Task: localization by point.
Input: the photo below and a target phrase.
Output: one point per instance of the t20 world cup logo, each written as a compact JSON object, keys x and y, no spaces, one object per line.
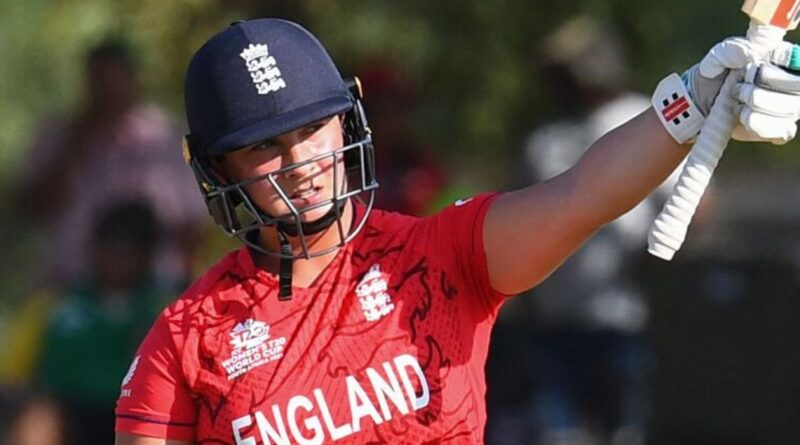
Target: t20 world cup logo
{"x":249,"y":334}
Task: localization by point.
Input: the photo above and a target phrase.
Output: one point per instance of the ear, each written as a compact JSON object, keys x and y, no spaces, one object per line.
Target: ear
{"x":218,"y":169}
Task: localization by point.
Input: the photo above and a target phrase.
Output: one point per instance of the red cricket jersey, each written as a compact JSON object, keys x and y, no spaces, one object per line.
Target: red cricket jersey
{"x":388,"y":346}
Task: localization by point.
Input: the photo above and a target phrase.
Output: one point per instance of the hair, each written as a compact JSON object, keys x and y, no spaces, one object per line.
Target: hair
{"x":113,"y":50}
{"x":127,"y":221}
{"x":589,"y":51}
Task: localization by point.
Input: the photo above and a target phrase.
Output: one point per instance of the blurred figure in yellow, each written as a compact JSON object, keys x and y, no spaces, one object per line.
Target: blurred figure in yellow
{"x":21,"y":332}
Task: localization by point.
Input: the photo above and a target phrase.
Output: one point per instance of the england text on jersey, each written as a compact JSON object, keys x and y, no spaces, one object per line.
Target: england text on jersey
{"x":307,"y":410}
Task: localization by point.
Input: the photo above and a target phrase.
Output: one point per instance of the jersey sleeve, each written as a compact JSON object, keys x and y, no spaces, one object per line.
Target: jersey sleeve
{"x":455,"y":236}
{"x":155,"y":400}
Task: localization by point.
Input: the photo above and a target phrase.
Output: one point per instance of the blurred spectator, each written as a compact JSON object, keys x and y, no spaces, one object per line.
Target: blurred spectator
{"x":21,"y":331}
{"x":410,"y":175}
{"x":113,"y":147}
{"x":587,"y":354}
{"x":99,"y":321}
{"x":32,"y":420}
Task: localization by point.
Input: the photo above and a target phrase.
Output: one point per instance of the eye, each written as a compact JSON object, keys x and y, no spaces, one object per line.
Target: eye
{"x":267,"y":145}
{"x":313,"y":128}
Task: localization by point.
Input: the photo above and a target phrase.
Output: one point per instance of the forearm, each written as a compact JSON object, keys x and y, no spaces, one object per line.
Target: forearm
{"x":545,"y":222}
{"x":621,"y":169}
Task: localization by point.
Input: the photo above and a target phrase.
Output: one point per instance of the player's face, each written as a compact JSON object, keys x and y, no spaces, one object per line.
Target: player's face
{"x":306,"y":184}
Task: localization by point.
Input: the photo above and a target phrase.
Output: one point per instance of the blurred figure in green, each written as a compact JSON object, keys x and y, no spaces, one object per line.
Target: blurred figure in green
{"x":99,"y":321}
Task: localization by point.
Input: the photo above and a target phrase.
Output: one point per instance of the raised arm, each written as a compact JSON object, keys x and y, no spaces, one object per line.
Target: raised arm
{"x":530,"y":232}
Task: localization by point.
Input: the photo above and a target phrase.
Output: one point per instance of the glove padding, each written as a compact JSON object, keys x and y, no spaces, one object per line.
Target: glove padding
{"x":705,"y":79}
{"x":768,"y":105}
{"x":766,"y":97}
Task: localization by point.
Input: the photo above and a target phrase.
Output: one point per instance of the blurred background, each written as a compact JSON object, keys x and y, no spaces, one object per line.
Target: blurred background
{"x":101,"y":223}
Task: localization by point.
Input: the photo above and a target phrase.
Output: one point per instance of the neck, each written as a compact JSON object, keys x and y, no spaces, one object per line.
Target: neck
{"x":305,"y":271}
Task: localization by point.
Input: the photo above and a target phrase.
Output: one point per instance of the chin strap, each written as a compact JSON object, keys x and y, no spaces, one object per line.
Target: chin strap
{"x":285,"y":274}
{"x":285,"y":267}
{"x":314,"y":227}
{"x":286,"y":230}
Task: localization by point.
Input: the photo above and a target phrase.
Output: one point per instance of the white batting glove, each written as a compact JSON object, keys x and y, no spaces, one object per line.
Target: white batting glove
{"x":704,"y":80}
{"x":768,"y":104}
{"x":767,"y":98}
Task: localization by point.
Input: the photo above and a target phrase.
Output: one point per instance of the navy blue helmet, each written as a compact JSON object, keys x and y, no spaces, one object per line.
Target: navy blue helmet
{"x":256,"y":80}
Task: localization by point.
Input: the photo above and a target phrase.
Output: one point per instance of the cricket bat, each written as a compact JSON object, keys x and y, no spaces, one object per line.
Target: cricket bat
{"x":769,"y":21}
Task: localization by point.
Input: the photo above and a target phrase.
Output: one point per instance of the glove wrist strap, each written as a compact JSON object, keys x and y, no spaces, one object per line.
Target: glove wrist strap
{"x":676,"y":109}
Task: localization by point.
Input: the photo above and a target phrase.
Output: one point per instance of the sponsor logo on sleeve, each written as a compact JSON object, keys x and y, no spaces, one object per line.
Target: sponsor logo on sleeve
{"x":126,"y":392}
{"x":461,"y":202}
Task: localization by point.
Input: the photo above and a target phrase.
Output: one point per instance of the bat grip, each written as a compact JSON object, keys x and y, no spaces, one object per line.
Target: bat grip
{"x":669,"y":229}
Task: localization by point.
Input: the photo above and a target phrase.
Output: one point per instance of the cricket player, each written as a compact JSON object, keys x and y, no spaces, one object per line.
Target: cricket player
{"x":338,"y":323}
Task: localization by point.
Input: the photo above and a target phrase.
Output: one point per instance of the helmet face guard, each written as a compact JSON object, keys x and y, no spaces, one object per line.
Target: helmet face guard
{"x":238,"y":215}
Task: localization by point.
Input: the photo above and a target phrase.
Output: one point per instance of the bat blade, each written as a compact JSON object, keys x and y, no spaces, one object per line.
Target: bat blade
{"x":783,"y":14}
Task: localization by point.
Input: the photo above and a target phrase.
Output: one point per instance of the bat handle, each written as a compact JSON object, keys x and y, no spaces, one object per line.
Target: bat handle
{"x":668,"y":231}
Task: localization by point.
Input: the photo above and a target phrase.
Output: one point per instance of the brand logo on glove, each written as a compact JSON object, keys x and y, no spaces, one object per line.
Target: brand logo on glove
{"x":678,"y":107}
